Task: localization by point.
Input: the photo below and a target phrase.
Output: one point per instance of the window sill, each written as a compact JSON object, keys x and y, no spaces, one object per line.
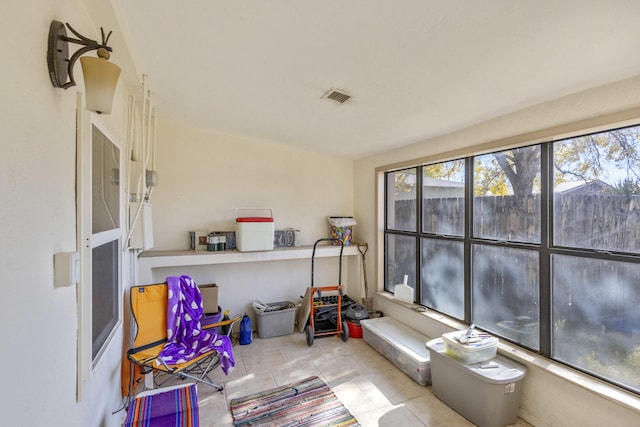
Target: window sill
{"x":593,"y":385}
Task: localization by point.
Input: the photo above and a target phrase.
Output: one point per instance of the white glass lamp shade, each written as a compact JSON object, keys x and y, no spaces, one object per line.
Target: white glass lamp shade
{"x":100,"y":79}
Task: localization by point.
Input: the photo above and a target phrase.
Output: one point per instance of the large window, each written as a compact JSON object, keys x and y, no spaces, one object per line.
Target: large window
{"x":539,"y":245}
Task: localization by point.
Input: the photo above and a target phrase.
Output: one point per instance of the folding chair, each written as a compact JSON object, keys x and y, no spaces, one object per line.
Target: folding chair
{"x":149,"y":311}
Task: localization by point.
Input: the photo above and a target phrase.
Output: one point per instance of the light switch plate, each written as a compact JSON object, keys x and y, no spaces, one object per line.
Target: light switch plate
{"x":66,"y":269}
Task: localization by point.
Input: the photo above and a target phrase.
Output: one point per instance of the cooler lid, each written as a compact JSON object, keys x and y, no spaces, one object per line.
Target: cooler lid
{"x":254,"y":219}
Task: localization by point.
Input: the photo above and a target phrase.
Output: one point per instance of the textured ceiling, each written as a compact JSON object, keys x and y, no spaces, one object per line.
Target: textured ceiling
{"x":415,"y":68}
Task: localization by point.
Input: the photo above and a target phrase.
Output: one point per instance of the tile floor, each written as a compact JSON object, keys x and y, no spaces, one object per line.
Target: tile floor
{"x":372,"y":388}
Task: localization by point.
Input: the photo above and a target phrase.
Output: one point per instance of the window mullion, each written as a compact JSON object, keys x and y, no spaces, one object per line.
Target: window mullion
{"x":468,"y":231}
{"x":546,"y":210}
{"x":419,"y":228}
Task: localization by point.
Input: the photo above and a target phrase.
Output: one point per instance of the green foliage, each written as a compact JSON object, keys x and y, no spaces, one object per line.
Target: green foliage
{"x":405,"y":181}
{"x":489,"y":178}
{"x":627,"y":187}
{"x":453,"y":170}
{"x":585,"y":158}
{"x":614,"y":359}
{"x":633,"y":361}
{"x":589,"y":157}
{"x":508,"y":172}
{"x":517,"y":171}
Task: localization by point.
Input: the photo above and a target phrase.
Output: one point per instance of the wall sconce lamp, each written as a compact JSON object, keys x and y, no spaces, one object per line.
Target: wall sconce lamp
{"x":100,"y":75}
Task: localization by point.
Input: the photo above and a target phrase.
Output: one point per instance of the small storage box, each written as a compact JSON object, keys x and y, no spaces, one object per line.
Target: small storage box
{"x":209,"y":298}
{"x":484,"y":349}
{"x":403,"y":346}
{"x":280,"y":321}
{"x":486,"y":393}
{"x":255,"y":233}
{"x":209,"y":319}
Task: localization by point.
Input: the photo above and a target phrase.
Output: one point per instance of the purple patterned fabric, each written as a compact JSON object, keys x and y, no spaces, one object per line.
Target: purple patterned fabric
{"x":185,"y":337}
{"x":165,"y":407}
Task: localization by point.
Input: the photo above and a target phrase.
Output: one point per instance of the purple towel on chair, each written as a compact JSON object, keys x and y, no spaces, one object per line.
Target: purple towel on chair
{"x":185,"y":337}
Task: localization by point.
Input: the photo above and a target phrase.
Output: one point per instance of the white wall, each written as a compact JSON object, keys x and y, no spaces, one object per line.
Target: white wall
{"x":547,"y":401}
{"x":203,"y":177}
{"x":38,"y":323}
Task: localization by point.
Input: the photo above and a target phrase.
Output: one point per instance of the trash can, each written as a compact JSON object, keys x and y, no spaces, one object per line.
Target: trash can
{"x":486,"y":393}
{"x":274,"y":319}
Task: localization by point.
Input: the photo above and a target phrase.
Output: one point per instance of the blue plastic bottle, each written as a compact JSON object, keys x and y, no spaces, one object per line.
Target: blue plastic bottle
{"x":246,"y":332}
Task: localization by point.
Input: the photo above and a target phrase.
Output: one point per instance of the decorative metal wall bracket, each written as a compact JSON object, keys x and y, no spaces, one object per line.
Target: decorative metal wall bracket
{"x":60,"y":65}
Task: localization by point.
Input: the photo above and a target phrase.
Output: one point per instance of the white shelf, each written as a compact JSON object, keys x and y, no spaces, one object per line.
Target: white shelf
{"x":149,"y":260}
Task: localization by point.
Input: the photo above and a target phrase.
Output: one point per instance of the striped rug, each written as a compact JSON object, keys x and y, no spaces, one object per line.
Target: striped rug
{"x":309,"y":402}
{"x":175,"y":406}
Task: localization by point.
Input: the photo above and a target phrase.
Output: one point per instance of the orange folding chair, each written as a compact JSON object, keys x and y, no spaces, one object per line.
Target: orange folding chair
{"x":149,"y":312}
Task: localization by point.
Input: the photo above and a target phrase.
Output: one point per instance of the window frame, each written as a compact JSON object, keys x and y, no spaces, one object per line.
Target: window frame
{"x":545,"y":247}
{"x":87,"y":241}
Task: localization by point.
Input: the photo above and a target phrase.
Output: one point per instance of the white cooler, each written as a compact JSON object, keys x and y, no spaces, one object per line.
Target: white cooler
{"x":254,"y":233}
{"x":486,"y":393}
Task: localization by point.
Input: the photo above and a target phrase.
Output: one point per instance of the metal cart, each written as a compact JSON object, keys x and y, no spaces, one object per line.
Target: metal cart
{"x":325,"y":316}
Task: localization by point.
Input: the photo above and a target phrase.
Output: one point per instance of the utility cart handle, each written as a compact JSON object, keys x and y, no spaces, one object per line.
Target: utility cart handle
{"x":313,"y":256}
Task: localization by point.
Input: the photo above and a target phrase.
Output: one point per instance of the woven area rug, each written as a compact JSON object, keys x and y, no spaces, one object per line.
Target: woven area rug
{"x":175,"y":406}
{"x":309,"y":402}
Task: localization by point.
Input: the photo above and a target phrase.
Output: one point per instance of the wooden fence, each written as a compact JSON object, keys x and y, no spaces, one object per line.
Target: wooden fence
{"x":608,"y":222}
{"x":590,"y":289}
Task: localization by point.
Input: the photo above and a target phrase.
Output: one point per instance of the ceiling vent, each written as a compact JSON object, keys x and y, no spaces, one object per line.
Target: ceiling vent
{"x":337,"y":95}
